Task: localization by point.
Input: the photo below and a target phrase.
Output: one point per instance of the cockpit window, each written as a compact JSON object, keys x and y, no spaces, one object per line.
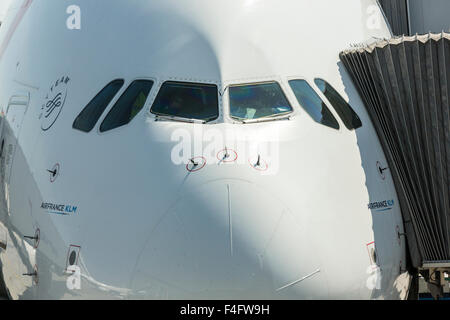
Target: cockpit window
{"x":347,"y":114}
{"x":313,"y":105}
{"x":257,"y":101}
{"x":87,"y":119}
{"x":128,"y":106}
{"x":187,"y":101}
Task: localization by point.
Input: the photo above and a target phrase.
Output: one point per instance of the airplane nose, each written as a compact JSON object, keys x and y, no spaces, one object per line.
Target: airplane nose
{"x":228,"y":240}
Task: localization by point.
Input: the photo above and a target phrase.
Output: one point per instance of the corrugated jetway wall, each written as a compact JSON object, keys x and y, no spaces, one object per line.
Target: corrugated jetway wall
{"x":405,"y":84}
{"x":396,"y":12}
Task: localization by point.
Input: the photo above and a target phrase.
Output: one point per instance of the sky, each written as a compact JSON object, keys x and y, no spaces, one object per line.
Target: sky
{"x":4,"y":4}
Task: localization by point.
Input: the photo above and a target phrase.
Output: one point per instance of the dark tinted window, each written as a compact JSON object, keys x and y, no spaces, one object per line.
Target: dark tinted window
{"x":258,"y":101}
{"x":128,"y":106}
{"x":187,"y":100}
{"x":347,"y":114}
{"x":313,"y":105}
{"x":87,"y":119}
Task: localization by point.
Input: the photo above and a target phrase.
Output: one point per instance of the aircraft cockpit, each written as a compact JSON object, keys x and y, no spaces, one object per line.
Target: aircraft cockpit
{"x":200,"y":103}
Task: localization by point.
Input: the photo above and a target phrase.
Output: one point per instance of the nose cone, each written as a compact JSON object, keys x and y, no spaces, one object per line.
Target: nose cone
{"x":229,"y":240}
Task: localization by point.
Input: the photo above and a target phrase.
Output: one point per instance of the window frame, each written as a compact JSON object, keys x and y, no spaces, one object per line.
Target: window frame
{"x":108,"y":106}
{"x":199,"y":82}
{"x":258,"y":81}
{"x":334,"y":108}
{"x":142,"y":112}
{"x":319,"y":93}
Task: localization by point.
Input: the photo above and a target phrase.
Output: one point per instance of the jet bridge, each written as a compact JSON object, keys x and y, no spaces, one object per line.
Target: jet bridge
{"x":405,"y":85}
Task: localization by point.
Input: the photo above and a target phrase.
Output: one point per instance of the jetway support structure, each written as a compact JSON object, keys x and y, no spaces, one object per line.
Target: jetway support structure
{"x":405,"y":85}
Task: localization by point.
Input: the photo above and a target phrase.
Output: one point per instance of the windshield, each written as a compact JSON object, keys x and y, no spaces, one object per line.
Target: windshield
{"x":258,"y":101}
{"x":187,"y":100}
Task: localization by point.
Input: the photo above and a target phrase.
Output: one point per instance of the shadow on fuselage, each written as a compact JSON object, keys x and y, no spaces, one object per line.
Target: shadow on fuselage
{"x":19,"y":254}
{"x":386,"y":222}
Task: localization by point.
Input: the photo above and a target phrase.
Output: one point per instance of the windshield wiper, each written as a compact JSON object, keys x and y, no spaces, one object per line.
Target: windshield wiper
{"x":273,"y":117}
{"x":210,"y":119}
{"x":181,"y":119}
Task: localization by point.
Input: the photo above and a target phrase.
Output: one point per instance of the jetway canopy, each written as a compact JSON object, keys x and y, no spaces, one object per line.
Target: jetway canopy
{"x":416,"y":16}
{"x":405,"y":84}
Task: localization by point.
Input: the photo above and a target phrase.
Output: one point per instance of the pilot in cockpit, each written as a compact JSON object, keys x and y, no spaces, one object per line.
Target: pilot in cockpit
{"x":173,"y":106}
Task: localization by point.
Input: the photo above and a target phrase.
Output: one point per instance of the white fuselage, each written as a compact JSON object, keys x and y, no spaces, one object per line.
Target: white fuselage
{"x":145,"y":227}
